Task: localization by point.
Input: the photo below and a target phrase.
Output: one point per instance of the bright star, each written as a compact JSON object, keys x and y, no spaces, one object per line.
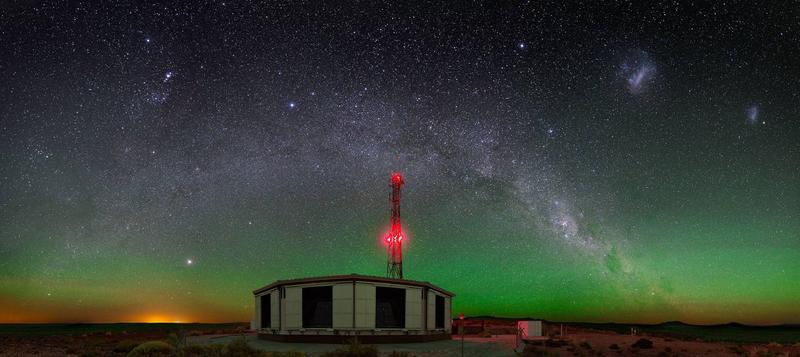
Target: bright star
{"x":521,"y":45}
{"x":189,"y":262}
{"x":292,"y":104}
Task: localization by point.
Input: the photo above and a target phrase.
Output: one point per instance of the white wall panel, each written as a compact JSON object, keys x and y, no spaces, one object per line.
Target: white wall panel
{"x":343,"y":306}
{"x":448,"y":315}
{"x":275,"y":314}
{"x":293,"y":307}
{"x":365,"y":306}
{"x":431,"y":310}
{"x":413,"y":308}
{"x":256,"y":324}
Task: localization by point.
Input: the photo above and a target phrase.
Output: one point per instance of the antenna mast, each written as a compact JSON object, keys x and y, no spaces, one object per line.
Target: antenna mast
{"x":394,"y":240}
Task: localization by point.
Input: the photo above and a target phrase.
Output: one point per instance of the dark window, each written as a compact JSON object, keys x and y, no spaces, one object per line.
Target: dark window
{"x":390,"y":308}
{"x":439,"y":311}
{"x":318,"y":307}
{"x":266,"y":311}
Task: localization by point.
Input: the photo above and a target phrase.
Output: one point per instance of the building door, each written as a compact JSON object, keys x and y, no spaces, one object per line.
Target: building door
{"x":439,"y":311}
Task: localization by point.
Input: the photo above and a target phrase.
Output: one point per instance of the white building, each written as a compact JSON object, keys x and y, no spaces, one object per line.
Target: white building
{"x":337,"y":308}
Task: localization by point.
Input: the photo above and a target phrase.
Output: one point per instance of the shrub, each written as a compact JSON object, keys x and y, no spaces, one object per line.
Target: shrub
{"x":533,"y":351}
{"x":643,"y":343}
{"x":70,"y":350}
{"x":613,"y":346}
{"x":240,"y":348}
{"x":285,"y":354}
{"x":586,"y":345}
{"x":177,"y":339}
{"x":399,"y":354}
{"x":152,"y":348}
{"x":738,"y":349}
{"x":354,"y":349}
{"x":125,"y":346}
{"x":201,"y":350}
{"x":484,"y":334}
{"x":555,"y":343}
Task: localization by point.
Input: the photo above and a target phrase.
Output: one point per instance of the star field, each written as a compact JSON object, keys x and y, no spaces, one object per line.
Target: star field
{"x":624,"y":162}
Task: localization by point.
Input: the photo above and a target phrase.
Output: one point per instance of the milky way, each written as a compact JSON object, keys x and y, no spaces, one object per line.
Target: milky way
{"x":617,"y":163}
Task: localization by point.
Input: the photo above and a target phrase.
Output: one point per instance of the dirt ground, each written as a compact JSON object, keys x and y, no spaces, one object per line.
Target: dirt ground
{"x":110,"y":343}
{"x":575,"y":342}
{"x":578,"y":341}
{"x":611,"y":344}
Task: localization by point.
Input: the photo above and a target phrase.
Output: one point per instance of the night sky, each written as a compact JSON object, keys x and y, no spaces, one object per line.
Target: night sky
{"x":624,"y":162}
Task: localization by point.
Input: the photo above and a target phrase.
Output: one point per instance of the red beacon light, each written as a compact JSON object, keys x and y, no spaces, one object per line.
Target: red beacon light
{"x":397,"y":178}
{"x":394,"y":238}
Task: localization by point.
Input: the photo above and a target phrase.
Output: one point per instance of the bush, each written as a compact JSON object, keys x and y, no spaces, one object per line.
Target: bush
{"x":586,"y":345}
{"x":738,"y":349}
{"x":70,"y":350}
{"x":399,"y":354}
{"x":533,"y":351}
{"x":354,"y":349}
{"x":201,"y":350}
{"x":484,"y":334}
{"x":285,"y":354}
{"x":555,"y":343}
{"x":643,"y":343}
{"x":177,"y":339}
{"x":774,"y":346}
{"x":152,"y":348}
{"x":240,"y":348}
{"x":125,"y":346}
{"x":613,"y":346}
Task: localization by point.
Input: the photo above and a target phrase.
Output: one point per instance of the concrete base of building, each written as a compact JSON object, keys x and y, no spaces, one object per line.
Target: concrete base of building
{"x":367,"y":339}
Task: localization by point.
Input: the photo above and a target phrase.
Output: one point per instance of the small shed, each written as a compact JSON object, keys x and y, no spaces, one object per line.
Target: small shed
{"x":529,"y":329}
{"x":337,"y":308}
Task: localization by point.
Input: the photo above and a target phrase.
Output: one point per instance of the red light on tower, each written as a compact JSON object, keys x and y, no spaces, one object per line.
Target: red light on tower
{"x":394,"y":240}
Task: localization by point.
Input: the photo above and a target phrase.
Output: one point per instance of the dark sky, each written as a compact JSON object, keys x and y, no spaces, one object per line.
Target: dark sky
{"x":614,"y":162}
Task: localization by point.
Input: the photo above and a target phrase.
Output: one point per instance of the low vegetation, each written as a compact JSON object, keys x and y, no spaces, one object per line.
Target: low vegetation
{"x":399,"y":354}
{"x":152,"y":348}
{"x":537,"y":351}
{"x":354,"y":349}
{"x":643,"y":343}
{"x":236,"y":348}
{"x":125,"y":346}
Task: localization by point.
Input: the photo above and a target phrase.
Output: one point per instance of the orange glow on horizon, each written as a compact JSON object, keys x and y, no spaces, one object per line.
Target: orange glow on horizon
{"x":159,"y":318}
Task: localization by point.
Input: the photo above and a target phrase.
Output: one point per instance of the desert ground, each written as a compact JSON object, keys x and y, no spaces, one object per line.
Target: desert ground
{"x":482,"y":338}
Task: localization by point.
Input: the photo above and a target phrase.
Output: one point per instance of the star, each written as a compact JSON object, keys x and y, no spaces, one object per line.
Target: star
{"x":189,"y":262}
{"x":292,"y":105}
